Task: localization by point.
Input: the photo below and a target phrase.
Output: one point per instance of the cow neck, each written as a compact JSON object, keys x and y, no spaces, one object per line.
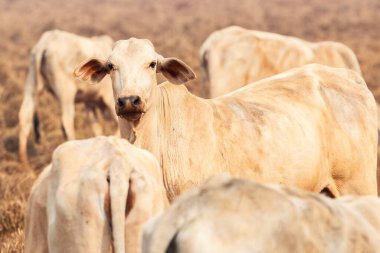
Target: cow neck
{"x":153,"y":131}
{"x":171,"y":123}
{"x":154,"y":134}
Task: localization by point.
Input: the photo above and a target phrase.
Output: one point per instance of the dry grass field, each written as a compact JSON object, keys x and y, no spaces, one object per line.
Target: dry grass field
{"x":177,"y":28}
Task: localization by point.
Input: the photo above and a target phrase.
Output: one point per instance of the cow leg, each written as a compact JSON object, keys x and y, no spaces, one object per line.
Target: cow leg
{"x":25,"y":123}
{"x":68,"y":113}
{"x":33,"y":85}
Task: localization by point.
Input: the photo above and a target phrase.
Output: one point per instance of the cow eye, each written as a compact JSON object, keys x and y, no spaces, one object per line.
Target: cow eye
{"x":152,"y":65}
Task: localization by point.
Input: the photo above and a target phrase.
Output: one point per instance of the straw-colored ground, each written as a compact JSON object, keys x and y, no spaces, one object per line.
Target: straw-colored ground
{"x":177,"y":28}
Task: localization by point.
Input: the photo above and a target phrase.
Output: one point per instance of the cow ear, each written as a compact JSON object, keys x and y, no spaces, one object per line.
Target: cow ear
{"x":174,"y":70}
{"x":92,"y":70}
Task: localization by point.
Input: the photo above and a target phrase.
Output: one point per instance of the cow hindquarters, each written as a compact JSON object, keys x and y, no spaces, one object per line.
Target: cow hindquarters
{"x":77,"y":219}
{"x":36,"y":223}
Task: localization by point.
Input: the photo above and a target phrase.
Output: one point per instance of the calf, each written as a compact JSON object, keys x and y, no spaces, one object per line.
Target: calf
{"x":51,"y":62}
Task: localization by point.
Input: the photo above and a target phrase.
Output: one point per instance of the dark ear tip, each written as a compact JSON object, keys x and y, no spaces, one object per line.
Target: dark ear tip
{"x":191,"y":76}
{"x":76,"y":73}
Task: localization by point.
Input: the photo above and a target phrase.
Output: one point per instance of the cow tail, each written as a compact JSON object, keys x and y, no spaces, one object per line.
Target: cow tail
{"x":119,"y":186}
{"x":204,"y":64}
{"x":37,"y":58}
{"x":36,"y":125}
{"x":204,"y":61}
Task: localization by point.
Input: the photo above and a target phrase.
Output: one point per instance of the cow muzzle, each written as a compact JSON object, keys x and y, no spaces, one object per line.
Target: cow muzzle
{"x":130,"y":108}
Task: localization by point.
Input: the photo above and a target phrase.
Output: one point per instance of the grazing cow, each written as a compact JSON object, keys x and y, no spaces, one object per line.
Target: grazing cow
{"x":314,"y":127}
{"x":236,"y":215}
{"x":51,"y":62}
{"x":96,"y":193}
{"x":233,"y":57}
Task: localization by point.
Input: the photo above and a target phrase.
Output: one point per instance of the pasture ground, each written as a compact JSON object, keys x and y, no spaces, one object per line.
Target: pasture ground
{"x":177,"y":28}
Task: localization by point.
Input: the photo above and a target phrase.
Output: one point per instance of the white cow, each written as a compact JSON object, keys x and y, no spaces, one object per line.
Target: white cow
{"x":96,"y":195}
{"x":233,"y":57}
{"x":236,"y":215}
{"x":51,"y":62}
{"x":314,"y":127}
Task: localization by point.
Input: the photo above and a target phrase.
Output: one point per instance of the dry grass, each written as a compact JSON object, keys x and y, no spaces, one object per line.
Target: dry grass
{"x":14,"y":189}
{"x":12,"y":242}
{"x":177,"y":28}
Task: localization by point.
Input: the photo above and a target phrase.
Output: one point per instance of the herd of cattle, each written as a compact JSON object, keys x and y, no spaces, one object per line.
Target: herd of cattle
{"x":260,"y":166}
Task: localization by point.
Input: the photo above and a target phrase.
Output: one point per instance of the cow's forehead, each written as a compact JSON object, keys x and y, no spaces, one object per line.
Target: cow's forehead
{"x":141,"y":48}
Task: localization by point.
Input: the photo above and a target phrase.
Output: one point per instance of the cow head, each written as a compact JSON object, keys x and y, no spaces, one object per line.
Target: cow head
{"x":133,"y":65}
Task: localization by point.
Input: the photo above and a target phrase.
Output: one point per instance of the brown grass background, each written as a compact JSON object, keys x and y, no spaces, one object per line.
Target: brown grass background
{"x":177,"y":28}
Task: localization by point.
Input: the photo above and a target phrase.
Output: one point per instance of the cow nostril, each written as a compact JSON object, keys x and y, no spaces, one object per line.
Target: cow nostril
{"x":136,"y":100}
{"x":121,"y":102}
